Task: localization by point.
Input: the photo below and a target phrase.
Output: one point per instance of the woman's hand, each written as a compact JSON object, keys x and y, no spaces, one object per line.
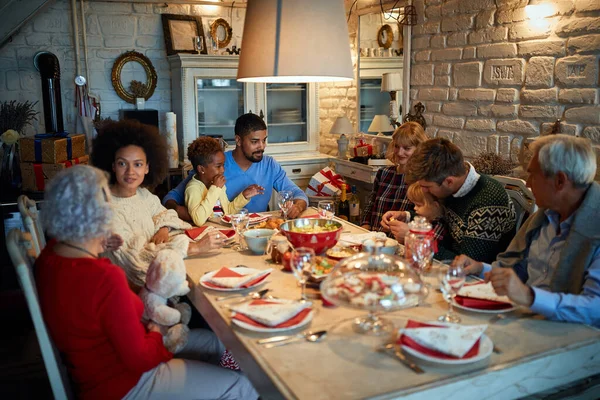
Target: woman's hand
{"x":113,"y":242}
{"x":253,"y":190}
{"x":388,"y":217}
{"x":219,"y":180}
{"x":154,"y":327}
{"x":399,"y":229}
{"x":161,"y":236}
{"x":211,"y":241}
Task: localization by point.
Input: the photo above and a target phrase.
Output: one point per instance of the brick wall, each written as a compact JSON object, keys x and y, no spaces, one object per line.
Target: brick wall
{"x":490,"y":77}
{"x":113,"y":28}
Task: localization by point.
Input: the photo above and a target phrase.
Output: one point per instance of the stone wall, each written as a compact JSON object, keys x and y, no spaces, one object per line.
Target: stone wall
{"x":113,"y":28}
{"x":490,"y":76}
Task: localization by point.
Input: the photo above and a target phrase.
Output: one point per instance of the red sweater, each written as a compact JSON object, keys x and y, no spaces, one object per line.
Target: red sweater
{"x":94,"y":319}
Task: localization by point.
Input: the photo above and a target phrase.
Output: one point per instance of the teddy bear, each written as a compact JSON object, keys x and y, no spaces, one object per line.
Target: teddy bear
{"x":165,"y":279}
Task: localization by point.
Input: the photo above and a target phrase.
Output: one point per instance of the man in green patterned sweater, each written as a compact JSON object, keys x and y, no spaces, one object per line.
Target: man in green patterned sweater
{"x":479,"y":215}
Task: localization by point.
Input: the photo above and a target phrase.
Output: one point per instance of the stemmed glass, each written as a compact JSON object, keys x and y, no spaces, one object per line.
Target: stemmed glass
{"x":302,"y":263}
{"x":420,"y":254}
{"x":452,"y":280}
{"x":285,"y":200}
{"x":326,"y":209}
{"x":240,"y":223}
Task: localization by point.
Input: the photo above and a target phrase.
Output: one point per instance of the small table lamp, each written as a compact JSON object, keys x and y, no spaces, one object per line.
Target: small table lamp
{"x":392,"y":82}
{"x":381,"y":123}
{"x":341,"y":126}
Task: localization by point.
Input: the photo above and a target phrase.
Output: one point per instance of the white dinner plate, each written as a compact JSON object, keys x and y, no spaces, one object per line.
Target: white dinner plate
{"x":485,"y":349}
{"x":239,"y":270}
{"x":253,"y":220}
{"x":253,"y":328}
{"x":482,"y":311}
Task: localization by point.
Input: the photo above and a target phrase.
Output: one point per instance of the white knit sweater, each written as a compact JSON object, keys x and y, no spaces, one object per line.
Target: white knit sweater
{"x":136,"y":219}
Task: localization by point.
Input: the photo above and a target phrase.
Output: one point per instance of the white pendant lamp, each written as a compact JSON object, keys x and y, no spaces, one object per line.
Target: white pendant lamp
{"x":294,"y":41}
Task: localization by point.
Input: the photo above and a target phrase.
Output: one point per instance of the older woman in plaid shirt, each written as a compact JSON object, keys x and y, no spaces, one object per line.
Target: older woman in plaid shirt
{"x":389,"y":188}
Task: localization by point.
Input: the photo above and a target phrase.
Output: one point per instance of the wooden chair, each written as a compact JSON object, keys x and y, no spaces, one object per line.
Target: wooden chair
{"x":521,"y":196}
{"x":22,"y":253}
{"x":30,"y":217}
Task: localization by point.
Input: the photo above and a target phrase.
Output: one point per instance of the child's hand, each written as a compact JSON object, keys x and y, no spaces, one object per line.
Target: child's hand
{"x":219,"y":181}
{"x":253,"y":190}
{"x":161,"y":236}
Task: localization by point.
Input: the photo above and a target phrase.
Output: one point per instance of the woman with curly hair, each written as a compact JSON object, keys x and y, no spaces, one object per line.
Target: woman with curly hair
{"x":135,"y":155}
{"x":389,"y":188}
{"x":205,"y":194}
{"x":94,"y":318}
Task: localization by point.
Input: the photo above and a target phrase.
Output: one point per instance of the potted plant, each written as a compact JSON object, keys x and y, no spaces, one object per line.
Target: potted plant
{"x":14,"y":116}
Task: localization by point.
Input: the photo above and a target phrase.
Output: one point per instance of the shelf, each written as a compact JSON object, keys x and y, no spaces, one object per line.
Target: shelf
{"x":200,"y":125}
{"x":286,"y":123}
{"x":290,"y":89}
{"x":378,"y":88}
{"x":222,"y":89}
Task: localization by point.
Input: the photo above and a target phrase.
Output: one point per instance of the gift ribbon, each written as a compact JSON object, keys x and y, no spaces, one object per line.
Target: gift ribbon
{"x":38,"y":143}
{"x":39,"y":176}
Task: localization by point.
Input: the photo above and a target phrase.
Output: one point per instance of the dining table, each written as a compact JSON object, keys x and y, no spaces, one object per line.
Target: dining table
{"x":531,"y":354}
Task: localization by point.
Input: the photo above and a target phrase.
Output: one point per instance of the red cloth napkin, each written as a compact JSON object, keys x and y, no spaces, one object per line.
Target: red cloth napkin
{"x":195,"y":232}
{"x":296,"y":319}
{"x":229,"y":273}
{"x":229,"y":233}
{"x":481,"y":304}
{"x":406,"y":341}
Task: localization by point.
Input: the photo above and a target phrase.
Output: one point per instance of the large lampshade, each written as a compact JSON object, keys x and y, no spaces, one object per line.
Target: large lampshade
{"x":341,"y":125}
{"x":291,"y":41}
{"x":391,"y":82}
{"x":381,"y":123}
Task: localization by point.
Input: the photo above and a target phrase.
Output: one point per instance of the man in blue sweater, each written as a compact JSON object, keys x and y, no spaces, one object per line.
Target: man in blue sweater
{"x":247,"y":165}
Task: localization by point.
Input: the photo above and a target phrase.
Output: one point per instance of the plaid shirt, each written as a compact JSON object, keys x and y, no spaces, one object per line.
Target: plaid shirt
{"x":389,"y":194}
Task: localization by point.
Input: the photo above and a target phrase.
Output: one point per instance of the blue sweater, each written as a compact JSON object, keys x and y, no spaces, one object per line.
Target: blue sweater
{"x":266,"y":173}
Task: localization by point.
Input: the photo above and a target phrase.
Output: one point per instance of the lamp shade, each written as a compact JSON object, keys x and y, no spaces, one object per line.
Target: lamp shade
{"x":342,"y":125}
{"x":391,"y":81}
{"x":381,"y":123}
{"x":292,"y":41}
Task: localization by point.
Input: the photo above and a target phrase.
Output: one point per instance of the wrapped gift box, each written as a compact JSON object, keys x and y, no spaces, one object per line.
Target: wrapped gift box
{"x":52,"y":148}
{"x":363,"y":150}
{"x":325,"y":183}
{"x":35,"y":176}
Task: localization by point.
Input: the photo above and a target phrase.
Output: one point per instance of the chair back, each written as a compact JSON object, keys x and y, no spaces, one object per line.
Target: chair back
{"x":22,"y":253}
{"x":30,"y":216}
{"x":521,"y":196}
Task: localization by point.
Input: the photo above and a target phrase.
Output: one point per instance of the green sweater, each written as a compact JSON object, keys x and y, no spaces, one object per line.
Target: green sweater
{"x":480,"y":224}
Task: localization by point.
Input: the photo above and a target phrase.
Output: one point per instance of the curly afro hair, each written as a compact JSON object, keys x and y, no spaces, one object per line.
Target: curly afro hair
{"x":202,"y":150}
{"x":116,"y":135}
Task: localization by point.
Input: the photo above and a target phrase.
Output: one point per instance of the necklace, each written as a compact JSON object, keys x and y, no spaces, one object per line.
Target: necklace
{"x":79,"y":248}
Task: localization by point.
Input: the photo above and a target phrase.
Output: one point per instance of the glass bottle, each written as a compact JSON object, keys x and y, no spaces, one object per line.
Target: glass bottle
{"x":354,"y":206}
{"x":344,"y":205}
{"x":419,"y":245}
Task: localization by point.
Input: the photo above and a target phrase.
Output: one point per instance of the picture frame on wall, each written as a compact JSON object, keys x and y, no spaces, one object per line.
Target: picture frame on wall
{"x":181,"y":32}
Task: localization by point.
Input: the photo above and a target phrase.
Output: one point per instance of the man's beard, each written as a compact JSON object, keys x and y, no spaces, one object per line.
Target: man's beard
{"x":255,"y":157}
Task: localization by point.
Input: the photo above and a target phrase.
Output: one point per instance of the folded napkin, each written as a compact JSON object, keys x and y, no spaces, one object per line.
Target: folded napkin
{"x":254,"y":217}
{"x":353,"y":239}
{"x":443,"y":341}
{"x":482,"y":295}
{"x":238,"y":279}
{"x":198,"y":233}
{"x":272,"y":313}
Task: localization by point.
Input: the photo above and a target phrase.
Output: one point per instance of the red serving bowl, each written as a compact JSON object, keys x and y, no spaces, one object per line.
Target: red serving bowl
{"x":318,"y":241}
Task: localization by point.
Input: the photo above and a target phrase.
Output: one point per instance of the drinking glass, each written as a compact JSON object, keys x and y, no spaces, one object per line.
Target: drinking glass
{"x":285,"y":200}
{"x":302,"y":263}
{"x":326,"y":209}
{"x":199,"y":43}
{"x":419,"y":252}
{"x":452,"y":280}
{"x":240,"y":222}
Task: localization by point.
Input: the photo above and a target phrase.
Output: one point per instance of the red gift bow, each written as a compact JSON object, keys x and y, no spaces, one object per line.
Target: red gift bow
{"x":335,"y":179}
{"x":429,"y":235}
{"x":40,"y":182}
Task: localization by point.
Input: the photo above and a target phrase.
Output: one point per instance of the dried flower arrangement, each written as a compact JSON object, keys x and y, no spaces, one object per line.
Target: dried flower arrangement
{"x":15,"y":115}
{"x":138,"y":89}
{"x":493,"y":164}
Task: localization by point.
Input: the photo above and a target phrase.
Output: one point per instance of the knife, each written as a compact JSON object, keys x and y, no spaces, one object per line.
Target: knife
{"x":402,"y":358}
{"x":281,"y":338}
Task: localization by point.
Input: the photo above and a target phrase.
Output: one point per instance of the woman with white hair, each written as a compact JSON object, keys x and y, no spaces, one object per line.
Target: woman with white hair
{"x":95,"y":319}
{"x":553,"y":263}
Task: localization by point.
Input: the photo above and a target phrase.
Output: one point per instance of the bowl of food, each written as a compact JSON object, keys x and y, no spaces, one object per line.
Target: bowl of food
{"x":321,"y":268}
{"x":388,"y":246}
{"x":317,"y":234}
{"x":340,"y":252}
{"x":257,"y":239}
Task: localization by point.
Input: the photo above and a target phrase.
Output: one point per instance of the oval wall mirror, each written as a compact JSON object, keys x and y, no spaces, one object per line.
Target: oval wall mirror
{"x":385,"y":36}
{"x":133,"y":76}
{"x":221,"y":32}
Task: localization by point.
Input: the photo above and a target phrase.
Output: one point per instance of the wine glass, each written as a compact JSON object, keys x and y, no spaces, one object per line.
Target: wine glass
{"x":419,"y":254}
{"x":326,"y":209}
{"x":285,"y":200}
{"x":452,"y":280}
{"x":302,"y":263}
{"x":240,"y":223}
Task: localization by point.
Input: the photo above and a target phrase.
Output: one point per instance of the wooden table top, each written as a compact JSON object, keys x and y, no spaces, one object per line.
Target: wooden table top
{"x":536,"y":354}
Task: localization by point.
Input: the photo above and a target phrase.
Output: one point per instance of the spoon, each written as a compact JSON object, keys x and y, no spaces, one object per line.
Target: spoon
{"x":312,"y":337}
{"x":252,"y":295}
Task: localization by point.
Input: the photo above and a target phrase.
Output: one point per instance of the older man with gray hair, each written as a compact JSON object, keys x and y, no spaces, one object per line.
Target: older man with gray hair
{"x":553,"y":263}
